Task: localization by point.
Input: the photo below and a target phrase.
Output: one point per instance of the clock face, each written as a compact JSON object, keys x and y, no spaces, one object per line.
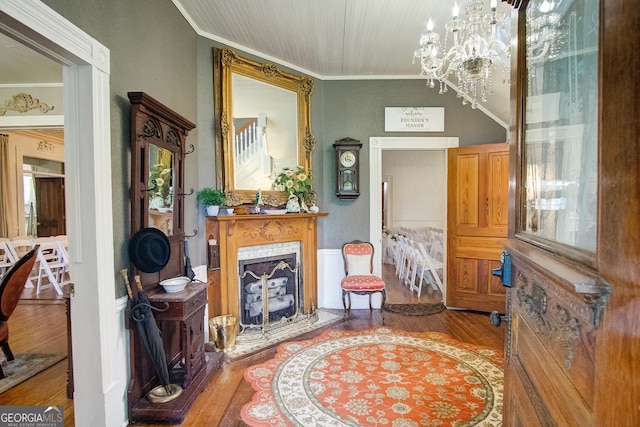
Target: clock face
{"x":348,"y":159}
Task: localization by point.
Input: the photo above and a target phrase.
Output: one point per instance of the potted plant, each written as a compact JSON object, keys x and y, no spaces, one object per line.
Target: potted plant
{"x":212,"y":199}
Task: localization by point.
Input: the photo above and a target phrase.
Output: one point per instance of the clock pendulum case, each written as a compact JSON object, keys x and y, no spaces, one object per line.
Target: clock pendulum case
{"x":347,"y":168}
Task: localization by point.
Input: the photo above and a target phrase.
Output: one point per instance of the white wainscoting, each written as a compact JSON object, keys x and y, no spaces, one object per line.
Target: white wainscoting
{"x":330,"y":274}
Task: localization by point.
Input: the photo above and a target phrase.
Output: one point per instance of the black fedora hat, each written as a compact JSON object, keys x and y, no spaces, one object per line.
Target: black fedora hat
{"x":149,"y":250}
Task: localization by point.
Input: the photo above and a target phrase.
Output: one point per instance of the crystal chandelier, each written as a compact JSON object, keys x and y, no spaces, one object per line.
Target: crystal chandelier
{"x":545,"y":35}
{"x":476,"y":52}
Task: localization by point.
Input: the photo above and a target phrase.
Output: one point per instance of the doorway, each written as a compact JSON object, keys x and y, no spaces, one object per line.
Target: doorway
{"x":377,"y":145}
{"x":99,"y":374}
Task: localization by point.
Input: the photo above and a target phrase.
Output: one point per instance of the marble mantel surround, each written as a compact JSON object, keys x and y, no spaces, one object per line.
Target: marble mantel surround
{"x":232,"y":232}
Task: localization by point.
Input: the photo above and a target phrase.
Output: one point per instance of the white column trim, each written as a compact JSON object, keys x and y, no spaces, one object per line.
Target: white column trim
{"x":99,"y":375}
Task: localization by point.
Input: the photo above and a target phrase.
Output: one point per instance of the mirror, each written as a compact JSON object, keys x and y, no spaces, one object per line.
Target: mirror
{"x":262,"y":124}
{"x":161,"y":193}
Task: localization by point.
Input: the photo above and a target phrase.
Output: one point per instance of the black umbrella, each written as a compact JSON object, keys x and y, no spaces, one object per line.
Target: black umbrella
{"x":141,"y":312}
{"x":188,"y":270}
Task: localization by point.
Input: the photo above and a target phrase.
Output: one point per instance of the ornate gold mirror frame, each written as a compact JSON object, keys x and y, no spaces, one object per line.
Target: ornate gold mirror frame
{"x":226,"y":64}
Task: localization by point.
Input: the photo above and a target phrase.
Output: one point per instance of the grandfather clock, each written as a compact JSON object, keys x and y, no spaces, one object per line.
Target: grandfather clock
{"x":347,"y":168}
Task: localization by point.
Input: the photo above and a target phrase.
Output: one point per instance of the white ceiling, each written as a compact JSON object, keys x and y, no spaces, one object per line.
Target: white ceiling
{"x":335,"y":39}
{"x":326,"y":39}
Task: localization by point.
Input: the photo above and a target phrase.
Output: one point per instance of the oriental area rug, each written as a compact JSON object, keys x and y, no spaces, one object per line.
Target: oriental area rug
{"x":380,"y":376}
{"x":25,"y":366}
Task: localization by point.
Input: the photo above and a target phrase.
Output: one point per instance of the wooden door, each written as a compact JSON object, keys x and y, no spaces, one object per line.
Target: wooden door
{"x":50,"y":206}
{"x":478,"y":187}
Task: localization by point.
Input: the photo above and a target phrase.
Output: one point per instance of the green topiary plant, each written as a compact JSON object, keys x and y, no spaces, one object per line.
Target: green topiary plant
{"x":211,"y":197}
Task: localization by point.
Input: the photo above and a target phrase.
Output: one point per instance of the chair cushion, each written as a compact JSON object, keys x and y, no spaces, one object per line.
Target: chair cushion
{"x":362,"y":282}
{"x":359,"y":264}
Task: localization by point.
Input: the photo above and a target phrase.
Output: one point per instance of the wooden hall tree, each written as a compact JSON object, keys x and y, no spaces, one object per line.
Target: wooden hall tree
{"x":573,"y":348}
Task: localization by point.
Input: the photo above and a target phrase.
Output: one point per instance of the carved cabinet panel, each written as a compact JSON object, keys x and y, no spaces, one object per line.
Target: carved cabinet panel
{"x":551,"y":348}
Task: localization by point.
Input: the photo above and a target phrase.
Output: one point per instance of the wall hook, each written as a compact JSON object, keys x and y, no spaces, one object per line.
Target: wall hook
{"x":185,"y":194}
{"x":195,"y":232}
{"x":191,"y":150}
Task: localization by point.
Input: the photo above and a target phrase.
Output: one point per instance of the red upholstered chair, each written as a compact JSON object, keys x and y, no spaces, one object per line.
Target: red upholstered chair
{"x":358,"y":267}
{"x":10,"y":290}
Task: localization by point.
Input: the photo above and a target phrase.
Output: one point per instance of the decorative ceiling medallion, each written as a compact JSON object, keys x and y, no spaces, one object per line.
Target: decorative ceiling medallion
{"x":23,"y":103}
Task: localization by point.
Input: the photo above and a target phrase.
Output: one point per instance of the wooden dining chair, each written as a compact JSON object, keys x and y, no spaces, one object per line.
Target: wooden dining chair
{"x":359,"y":279}
{"x":10,"y":290}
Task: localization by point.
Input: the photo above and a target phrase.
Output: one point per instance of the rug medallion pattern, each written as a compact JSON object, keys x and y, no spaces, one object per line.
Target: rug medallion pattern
{"x":377,"y":377}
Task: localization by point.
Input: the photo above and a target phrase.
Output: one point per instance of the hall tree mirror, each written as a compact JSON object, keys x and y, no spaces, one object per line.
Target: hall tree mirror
{"x":262,"y":126}
{"x":158,"y":140}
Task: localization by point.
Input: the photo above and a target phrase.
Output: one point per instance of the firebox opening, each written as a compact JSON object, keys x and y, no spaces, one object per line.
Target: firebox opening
{"x":284,"y":293}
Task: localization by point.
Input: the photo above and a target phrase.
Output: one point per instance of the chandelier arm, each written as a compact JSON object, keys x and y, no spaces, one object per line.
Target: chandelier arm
{"x":479,"y":47}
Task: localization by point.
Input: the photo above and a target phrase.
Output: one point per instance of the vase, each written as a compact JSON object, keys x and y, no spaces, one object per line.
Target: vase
{"x":213,"y":210}
{"x":293,"y":206}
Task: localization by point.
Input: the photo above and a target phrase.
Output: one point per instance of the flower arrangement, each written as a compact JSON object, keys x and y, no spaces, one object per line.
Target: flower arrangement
{"x":294,"y":181}
{"x":162,"y":178}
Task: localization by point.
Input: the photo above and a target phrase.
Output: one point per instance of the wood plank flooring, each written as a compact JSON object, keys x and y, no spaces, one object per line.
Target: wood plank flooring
{"x":36,"y":327}
{"x":39,"y":325}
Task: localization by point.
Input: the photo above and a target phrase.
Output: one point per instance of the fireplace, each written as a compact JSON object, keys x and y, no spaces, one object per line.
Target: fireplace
{"x":236,"y":240}
{"x":270,"y":291}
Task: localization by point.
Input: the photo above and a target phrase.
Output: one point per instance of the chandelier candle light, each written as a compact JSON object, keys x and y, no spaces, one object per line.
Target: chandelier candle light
{"x":477,"y":50}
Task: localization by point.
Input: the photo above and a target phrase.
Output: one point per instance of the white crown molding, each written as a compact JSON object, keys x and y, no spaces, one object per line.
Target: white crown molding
{"x":28,"y":85}
{"x":31,"y":122}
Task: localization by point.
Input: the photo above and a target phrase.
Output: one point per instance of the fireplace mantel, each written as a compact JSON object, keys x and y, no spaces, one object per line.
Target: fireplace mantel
{"x":231,"y":232}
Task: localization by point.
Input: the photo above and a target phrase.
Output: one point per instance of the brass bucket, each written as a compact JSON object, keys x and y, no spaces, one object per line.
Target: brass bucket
{"x":223,"y":331}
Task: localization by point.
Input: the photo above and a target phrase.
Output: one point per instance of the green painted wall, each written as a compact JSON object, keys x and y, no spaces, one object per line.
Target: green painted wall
{"x":154,"y":50}
{"x":356,"y":109}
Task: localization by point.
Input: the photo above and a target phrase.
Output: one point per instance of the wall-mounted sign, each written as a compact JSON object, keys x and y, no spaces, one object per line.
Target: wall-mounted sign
{"x":414,"y":119}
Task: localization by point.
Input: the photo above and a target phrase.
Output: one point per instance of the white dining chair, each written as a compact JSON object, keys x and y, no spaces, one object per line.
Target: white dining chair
{"x":409,"y":272}
{"x":22,"y":245}
{"x":52,"y":263}
{"x":429,"y":270}
{"x":405,"y":258}
{"x":7,"y":256}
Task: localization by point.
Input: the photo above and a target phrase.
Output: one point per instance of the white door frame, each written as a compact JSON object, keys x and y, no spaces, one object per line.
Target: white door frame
{"x":100,"y":396}
{"x":376,"y":146}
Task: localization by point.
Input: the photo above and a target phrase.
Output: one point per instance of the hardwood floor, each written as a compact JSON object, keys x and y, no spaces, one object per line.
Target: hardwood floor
{"x":41,"y":326}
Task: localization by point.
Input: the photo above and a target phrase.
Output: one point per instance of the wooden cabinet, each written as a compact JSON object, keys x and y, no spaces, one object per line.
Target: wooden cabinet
{"x":158,"y":138}
{"x":555,"y":312}
{"x":180,"y":317}
{"x":574,"y":306}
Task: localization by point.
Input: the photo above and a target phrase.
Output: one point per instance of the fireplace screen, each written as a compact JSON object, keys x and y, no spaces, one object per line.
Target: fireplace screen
{"x":270,"y":291}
